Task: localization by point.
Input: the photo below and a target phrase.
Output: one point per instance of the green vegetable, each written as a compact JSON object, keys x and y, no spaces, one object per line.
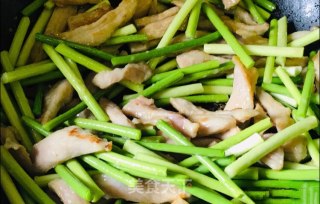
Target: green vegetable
{"x":126,"y":39}
{"x":127,"y":132}
{"x":193,"y":20}
{"x":228,"y":36}
{"x":253,"y":10}
{"x":32,"y":7}
{"x":22,"y":178}
{"x":269,"y":145}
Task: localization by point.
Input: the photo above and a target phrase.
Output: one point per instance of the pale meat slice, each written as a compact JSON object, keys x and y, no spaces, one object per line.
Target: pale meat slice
{"x":261,"y":113}
{"x":241,"y":115}
{"x":145,"y":110}
{"x":101,"y":30}
{"x":209,"y":123}
{"x":146,"y":191}
{"x":156,"y":30}
{"x":243,"y":16}
{"x":9,"y":140}
{"x":316,"y":62}
{"x":115,"y":113}
{"x":196,"y":57}
{"x":274,"y":159}
{"x":74,"y":2}
{"x":229,"y":133}
{"x":65,"y":144}
{"x":65,"y":193}
{"x":86,"y":18}
{"x":244,"y":84}
{"x":142,"y":8}
{"x":179,"y":201}
{"x":245,"y":30}
{"x":230,"y":3}
{"x":296,"y":150}
{"x":157,"y":17}
{"x":59,"y":95}
{"x":280,"y":115}
{"x":136,"y":73}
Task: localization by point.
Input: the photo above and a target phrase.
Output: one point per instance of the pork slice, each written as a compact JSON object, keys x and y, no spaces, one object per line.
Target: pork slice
{"x":9,"y":140}
{"x":179,"y":201}
{"x":296,"y":150}
{"x":145,"y":110}
{"x":228,"y":133}
{"x":245,"y":30}
{"x":261,"y":113}
{"x":65,"y":144}
{"x":146,"y":191}
{"x":88,"y":17}
{"x":241,"y":115}
{"x":243,"y":16}
{"x":102,"y":29}
{"x":210,"y":122}
{"x":65,"y":193}
{"x":196,"y":57}
{"x":243,"y":87}
{"x":213,"y":123}
{"x":156,"y":30}
{"x":59,"y":95}
{"x":274,"y":159}
{"x":115,"y":113}
{"x":142,"y":8}
{"x":136,"y":73}
{"x":157,"y":17}
{"x":230,"y":3}
{"x":316,"y":62}
{"x":74,"y":2}
{"x":279,"y":114}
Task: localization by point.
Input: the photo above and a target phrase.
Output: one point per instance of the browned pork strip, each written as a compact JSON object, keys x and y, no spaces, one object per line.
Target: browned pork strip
{"x":243,"y":16}
{"x":115,"y":113}
{"x":245,"y":30}
{"x":136,"y":73}
{"x":156,"y":30}
{"x":74,"y":2}
{"x":101,"y":30}
{"x":211,"y":122}
{"x":59,"y":95}
{"x":65,"y":193}
{"x":244,"y":84}
{"x":196,"y":57}
{"x":65,"y":144}
{"x":280,"y":115}
{"x":145,"y":110}
{"x":142,"y":8}
{"x":86,"y":18}
{"x":157,"y":17}
{"x":146,"y":191}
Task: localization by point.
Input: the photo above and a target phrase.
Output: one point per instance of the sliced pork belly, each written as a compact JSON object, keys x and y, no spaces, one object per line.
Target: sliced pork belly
{"x":229,"y":133}
{"x":211,"y":122}
{"x":66,"y":144}
{"x":296,"y":150}
{"x":59,"y":95}
{"x":279,"y":114}
{"x":146,"y":191}
{"x":243,"y":16}
{"x":274,"y":159}
{"x":244,"y":83}
{"x":196,"y":57}
{"x":143,"y":8}
{"x":230,"y":3}
{"x":136,"y":73}
{"x":65,"y":193}
{"x":115,"y":113}
{"x":156,"y":30}
{"x":157,"y":17}
{"x":145,"y":110}
{"x":88,"y":17}
{"x":98,"y":32}
{"x":8,"y":138}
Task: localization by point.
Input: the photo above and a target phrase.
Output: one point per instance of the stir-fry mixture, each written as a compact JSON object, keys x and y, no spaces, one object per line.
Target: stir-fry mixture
{"x":159,"y":101}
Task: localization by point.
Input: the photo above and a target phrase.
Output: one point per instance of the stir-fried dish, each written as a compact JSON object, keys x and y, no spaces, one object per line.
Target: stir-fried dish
{"x":159,"y":101}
